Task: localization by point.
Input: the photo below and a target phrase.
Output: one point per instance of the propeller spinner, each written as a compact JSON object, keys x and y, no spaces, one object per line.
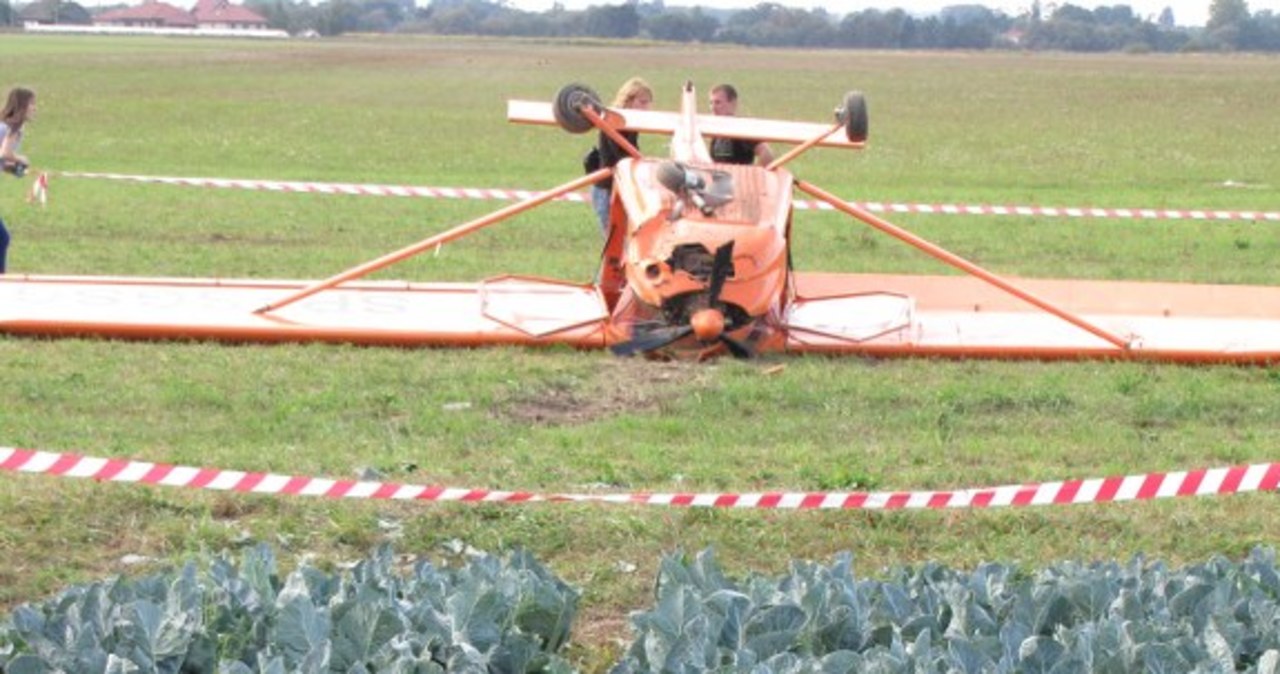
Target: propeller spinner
{"x":706,"y":324}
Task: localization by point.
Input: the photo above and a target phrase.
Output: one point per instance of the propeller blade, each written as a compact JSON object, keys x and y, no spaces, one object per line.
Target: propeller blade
{"x":721,"y":267}
{"x":738,"y":349}
{"x":648,"y":340}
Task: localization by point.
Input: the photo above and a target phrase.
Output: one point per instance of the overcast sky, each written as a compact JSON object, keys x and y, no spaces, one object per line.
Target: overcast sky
{"x":1185,"y":12}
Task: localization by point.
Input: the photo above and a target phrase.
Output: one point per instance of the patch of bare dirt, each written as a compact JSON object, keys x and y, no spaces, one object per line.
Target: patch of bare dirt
{"x":601,"y":637}
{"x":622,"y":385}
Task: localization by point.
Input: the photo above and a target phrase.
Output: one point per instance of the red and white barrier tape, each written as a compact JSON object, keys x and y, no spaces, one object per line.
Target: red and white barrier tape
{"x":352,"y":189}
{"x":1209,"y":482}
{"x":507,"y":194}
{"x":39,"y":192}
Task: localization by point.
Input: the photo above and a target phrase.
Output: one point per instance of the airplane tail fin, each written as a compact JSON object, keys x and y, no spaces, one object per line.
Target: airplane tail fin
{"x":687,"y":143}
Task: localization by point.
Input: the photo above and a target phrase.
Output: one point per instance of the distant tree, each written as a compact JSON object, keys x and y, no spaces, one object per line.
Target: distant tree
{"x":375,"y":19}
{"x":967,"y":35}
{"x":874,"y":29}
{"x":74,"y":13}
{"x":1069,"y":12}
{"x":1226,"y":13}
{"x":1070,"y":28}
{"x":1066,"y":27}
{"x":336,"y":17}
{"x":612,"y":21}
{"x":681,"y":26}
{"x":524,"y":24}
{"x":968,"y":27}
{"x":54,"y":11}
{"x":965,"y":13}
{"x":274,"y":12}
{"x":456,"y":17}
{"x":382,"y":16}
{"x":1161,"y":39}
{"x":771,"y":24}
{"x":454,"y":21}
{"x":1228,"y":25}
{"x":1117,"y":15}
{"x":291,"y":16}
{"x":928,"y":34}
{"x":1267,"y":25}
{"x":6,"y":13}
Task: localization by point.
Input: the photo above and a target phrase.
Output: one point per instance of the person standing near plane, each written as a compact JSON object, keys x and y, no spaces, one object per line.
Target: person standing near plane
{"x":724,"y":102}
{"x":18,"y":110}
{"x":636,"y":94}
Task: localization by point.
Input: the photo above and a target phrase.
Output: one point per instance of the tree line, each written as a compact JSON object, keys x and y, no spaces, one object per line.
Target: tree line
{"x":1231,"y":26}
{"x":1067,"y":27}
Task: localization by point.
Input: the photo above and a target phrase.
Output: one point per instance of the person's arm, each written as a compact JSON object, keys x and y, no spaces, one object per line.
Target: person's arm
{"x":7,"y":147}
{"x":764,"y":155}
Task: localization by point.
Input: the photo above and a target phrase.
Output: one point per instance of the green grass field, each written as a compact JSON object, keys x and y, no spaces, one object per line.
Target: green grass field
{"x":1116,"y":131}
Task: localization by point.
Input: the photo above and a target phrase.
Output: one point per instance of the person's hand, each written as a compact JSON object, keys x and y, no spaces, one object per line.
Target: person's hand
{"x":17,"y":166}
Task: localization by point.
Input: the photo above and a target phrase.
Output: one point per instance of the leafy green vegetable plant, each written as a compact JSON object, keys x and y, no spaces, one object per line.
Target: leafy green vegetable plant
{"x":489,"y":616}
{"x":1070,"y":617}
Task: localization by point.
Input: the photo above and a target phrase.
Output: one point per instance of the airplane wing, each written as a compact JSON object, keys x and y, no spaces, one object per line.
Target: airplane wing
{"x":863,"y":314}
{"x":650,"y":121}
{"x":503,"y":310}
{"x":957,"y":316}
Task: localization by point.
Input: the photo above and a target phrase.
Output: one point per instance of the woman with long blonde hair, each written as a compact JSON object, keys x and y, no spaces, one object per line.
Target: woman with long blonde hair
{"x":636,"y":94}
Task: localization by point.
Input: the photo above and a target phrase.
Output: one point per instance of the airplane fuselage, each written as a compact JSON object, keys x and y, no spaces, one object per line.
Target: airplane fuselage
{"x":660,"y":261}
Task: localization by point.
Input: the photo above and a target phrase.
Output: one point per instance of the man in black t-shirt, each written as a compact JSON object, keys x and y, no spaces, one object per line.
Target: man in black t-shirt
{"x":724,"y":101}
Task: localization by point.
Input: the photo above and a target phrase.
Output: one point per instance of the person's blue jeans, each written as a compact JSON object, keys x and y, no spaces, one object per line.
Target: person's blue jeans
{"x":600,"y":202}
{"x":4,"y":244}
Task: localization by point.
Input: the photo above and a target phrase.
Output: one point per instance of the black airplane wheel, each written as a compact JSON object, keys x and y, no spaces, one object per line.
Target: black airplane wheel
{"x":568,"y":107}
{"x":853,"y":114}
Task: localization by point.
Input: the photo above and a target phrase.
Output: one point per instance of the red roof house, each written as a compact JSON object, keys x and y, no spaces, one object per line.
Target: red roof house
{"x":219,"y":14}
{"x":223,"y":14}
{"x":150,"y":14}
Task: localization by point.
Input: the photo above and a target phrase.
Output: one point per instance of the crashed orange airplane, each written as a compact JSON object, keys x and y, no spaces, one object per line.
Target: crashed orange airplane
{"x":696,"y":264}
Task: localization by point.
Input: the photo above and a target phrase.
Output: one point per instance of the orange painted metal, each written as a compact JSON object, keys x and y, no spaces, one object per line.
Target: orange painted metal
{"x":755,"y":221}
{"x":708,"y":324}
{"x":863,"y":314}
{"x":503,"y":310}
{"x":965,"y":317}
{"x":437,"y":240}
{"x":610,"y":130}
{"x":960,"y":263}
{"x":803,"y":147}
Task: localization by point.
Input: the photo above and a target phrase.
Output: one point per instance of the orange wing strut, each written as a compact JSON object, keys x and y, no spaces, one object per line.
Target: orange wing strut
{"x":602,"y":123}
{"x":960,"y":263}
{"x":797,"y":150}
{"x":444,"y":237}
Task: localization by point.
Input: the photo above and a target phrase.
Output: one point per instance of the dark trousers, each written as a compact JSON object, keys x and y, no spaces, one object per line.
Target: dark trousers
{"x":4,"y":244}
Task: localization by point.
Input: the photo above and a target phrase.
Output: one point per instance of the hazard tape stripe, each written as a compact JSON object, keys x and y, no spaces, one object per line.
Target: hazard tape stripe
{"x":351,"y":189}
{"x":512,"y":194}
{"x":1209,"y":482}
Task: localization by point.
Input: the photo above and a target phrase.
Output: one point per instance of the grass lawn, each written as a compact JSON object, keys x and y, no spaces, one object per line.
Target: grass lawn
{"x":1159,"y":131}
